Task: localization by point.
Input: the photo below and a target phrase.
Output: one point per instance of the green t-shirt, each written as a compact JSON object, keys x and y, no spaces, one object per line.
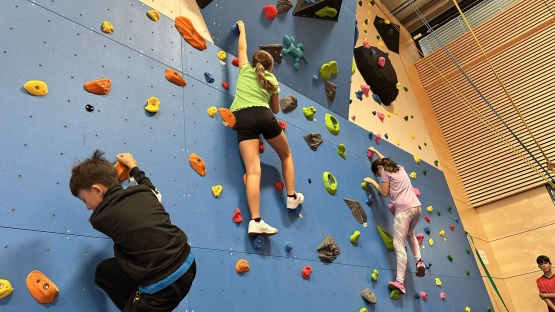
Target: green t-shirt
{"x":249,"y":92}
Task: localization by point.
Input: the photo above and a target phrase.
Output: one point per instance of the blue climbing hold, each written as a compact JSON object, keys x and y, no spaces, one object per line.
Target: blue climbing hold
{"x":372,"y":52}
{"x":295,"y":50}
{"x":288,"y":246}
{"x":371,"y":135}
{"x":427,"y":230}
{"x":208,"y":77}
{"x":235,"y":30}
{"x":376,"y":98}
{"x":386,"y":136}
{"x":417,"y":296}
{"x":314,"y":78}
{"x":456,"y":220}
{"x":258,"y":242}
{"x":359,"y":94}
{"x":369,"y":201}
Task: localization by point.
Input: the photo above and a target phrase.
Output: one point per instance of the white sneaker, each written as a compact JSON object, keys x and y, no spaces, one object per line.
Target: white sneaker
{"x":261,"y":228}
{"x":293,"y":203}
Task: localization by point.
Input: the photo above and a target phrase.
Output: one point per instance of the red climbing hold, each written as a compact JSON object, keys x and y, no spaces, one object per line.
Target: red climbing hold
{"x":225,"y":85}
{"x":237,"y":217}
{"x":427,"y":219}
{"x":279,"y":186}
{"x":365,"y":89}
{"x":381,"y":116}
{"x":282,"y":124}
{"x":452,"y":227}
{"x":378,"y":138}
{"x":235,"y":62}
{"x":270,"y":11}
{"x":307,"y":270}
{"x":261,"y":147}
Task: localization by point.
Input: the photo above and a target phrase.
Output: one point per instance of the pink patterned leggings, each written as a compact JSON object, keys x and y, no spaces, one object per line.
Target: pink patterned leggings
{"x":403,"y":225}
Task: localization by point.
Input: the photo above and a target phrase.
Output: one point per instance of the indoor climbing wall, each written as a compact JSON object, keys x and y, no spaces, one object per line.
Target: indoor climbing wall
{"x":43,"y":227}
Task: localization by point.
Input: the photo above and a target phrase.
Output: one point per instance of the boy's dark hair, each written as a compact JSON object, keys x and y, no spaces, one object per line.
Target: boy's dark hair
{"x":542,"y":259}
{"x":95,"y":169}
{"x":388,"y":165}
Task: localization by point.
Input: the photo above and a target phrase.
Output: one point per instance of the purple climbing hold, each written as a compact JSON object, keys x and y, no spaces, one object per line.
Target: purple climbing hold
{"x":376,"y":98}
{"x":208,"y":77}
{"x":359,"y":94}
{"x":427,"y":230}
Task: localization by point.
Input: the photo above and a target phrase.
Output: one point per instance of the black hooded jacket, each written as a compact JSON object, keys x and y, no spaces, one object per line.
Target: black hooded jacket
{"x":147,"y":246}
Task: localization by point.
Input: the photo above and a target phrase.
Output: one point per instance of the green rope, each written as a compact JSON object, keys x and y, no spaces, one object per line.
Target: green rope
{"x":487,"y":272}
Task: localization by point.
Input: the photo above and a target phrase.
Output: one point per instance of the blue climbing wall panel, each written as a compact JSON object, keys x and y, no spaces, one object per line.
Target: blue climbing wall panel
{"x":43,"y":227}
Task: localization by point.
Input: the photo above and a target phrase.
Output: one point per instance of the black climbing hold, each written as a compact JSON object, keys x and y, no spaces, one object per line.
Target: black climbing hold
{"x":89,"y":108}
{"x":309,"y":181}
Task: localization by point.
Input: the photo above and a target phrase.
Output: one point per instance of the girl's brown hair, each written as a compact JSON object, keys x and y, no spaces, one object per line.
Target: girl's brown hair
{"x":95,"y":169}
{"x":262,"y":61}
{"x":388,"y":165}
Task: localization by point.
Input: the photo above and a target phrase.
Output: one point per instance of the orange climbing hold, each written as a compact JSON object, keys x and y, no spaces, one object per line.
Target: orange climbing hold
{"x":198,"y":164}
{"x":242,"y":266}
{"x":123,"y":171}
{"x":175,"y":77}
{"x":189,"y":33}
{"x":41,"y":288}
{"x":227,"y":116}
{"x":100,"y":86}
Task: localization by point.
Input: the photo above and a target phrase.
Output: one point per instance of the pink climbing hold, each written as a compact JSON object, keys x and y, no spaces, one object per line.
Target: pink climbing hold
{"x":270,"y":11}
{"x":279,"y":186}
{"x":366,"y":44}
{"x":237,"y":217}
{"x":282,"y":124}
{"x":442,"y":295}
{"x":365,"y":89}
{"x":423,"y":295}
{"x":261,"y":147}
{"x":370,"y":155}
{"x":381,"y":116}
{"x":235,"y":62}
{"x":419,"y":238}
{"x":307,"y":270}
{"x":353,"y":117}
{"x":452,"y":227}
{"x":416,"y":192}
{"x":381,"y":61}
{"x":392,"y":208}
{"x":378,"y":138}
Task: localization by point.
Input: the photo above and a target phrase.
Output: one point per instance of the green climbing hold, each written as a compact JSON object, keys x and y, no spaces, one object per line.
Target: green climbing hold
{"x":450,"y":258}
{"x":309,"y":112}
{"x":378,"y":37}
{"x":425,"y":144}
{"x":468,"y":274}
{"x":411,"y":116}
{"x":406,"y":118}
{"x":363,"y":310}
{"x":439,"y":213}
{"x":326,"y":12}
{"x":386,"y":237}
{"x":354,"y":238}
{"x":380,"y":21}
{"x":366,"y":21}
{"x":424,"y":172}
{"x":372,"y":2}
{"x":436,"y":163}
{"x":364,"y":185}
{"x":449,"y":209}
{"x":390,"y":31}
{"x":331,"y":188}
{"x":394,"y":294}
{"x":328,"y":69}
{"x":341,"y":151}
{"x":419,"y":147}
{"x":489,"y":308}
{"x":374,"y":275}
{"x":353,"y":67}
{"x":406,"y":89}
{"x":332,"y":124}
{"x":468,"y":251}
{"x":386,"y":53}
{"x":360,"y":3}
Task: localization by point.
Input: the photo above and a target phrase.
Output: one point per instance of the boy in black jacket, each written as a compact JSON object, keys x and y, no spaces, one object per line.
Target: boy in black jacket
{"x":153,"y":267}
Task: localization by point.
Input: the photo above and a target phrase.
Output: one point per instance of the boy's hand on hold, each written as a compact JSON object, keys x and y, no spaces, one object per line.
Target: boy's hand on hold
{"x":127,"y":160}
{"x":240,"y":25}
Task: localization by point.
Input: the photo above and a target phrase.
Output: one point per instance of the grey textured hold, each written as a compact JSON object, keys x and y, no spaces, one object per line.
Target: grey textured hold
{"x":314,"y":140}
{"x":328,"y":249}
{"x":356,"y":210}
{"x":284,"y":6}
{"x":274,"y":50}
{"x":330,"y":89}
{"x":368,"y":295}
{"x":288,"y":103}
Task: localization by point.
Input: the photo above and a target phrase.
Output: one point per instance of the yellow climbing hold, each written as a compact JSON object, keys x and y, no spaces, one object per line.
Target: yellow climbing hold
{"x":328,"y":69}
{"x":354,"y":238}
{"x":212,"y":110}
{"x":152,"y":105}
{"x":396,"y":112}
{"x":222,"y":55}
{"x":331,"y":188}
{"x":5,"y":288}
{"x":217,"y":190}
{"x":398,"y":85}
{"x":388,"y":114}
{"x":380,"y":43}
{"x":416,"y":159}
{"x":153,"y":15}
{"x":412,"y":135}
{"x":467,"y":309}
{"x":331,"y":123}
{"x":36,"y":87}
{"x":386,"y":237}
{"x":413,"y":175}
{"x":374,"y":275}
{"x":438,"y":281}
{"x":398,"y":142}
{"x":364,"y":185}
{"x":363,"y":310}
{"x":353,"y":67}
{"x":341,"y":151}
{"x":431,"y":242}
{"x":387,"y":21}
{"x":394,"y":294}
{"x":430,"y":208}
{"x":442,"y":233}
{"x":107,"y":27}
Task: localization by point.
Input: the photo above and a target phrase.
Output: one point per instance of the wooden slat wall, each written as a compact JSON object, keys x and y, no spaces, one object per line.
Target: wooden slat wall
{"x":520,"y":45}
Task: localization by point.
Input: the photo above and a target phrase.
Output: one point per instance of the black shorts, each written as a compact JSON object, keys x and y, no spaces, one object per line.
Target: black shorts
{"x":253,"y":121}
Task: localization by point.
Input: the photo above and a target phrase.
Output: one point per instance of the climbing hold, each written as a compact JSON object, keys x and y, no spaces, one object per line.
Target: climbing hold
{"x":449,"y":208}
{"x":359,"y":94}
{"x":270,"y":11}
{"x":100,"y":86}
{"x":442,"y":295}
{"x":397,"y":142}
{"x":309,"y":112}
{"x":353,"y":67}
{"x":438,"y":213}
{"x":332,"y":124}
{"x":412,"y":135}
{"x":430,"y":209}
{"x":353,"y":118}
{"x":424,"y":172}
{"x":406,"y":89}
{"x":208,"y":77}
{"x":306,"y":271}
{"x":386,"y":136}
{"x":331,"y":188}
{"x":227,"y":116}
{"x":391,"y":208}
{"x":442,"y":233}
{"x":261,"y":147}
{"x":419,"y":238}
{"x":438,"y":281}
{"x":452,"y":227}
{"x":295,"y":50}
{"x":363,"y":310}
{"x":279,"y":186}
{"x":394,"y":294}
{"x":467,"y":272}
{"x":364,"y":185}
{"x":242,"y":266}
{"x":283,"y":6}
{"x":365,"y":89}
{"x":369,"y":201}
{"x":370,"y":135}
{"x":386,"y":237}
{"x":174,"y":77}
{"x":388,"y":114}
{"x":123,"y":171}
{"x":330,"y":88}
{"x":374,"y":275}
{"x":436,"y":163}
{"x":235,"y":62}
{"x":313,"y":140}
{"x":235,"y":29}
{"x":258,"y":242}
{"x":198,"y":164}
{"x":326,"y":12}
{"x":328,"y":69}
{"x":288,"y":103}
{"x":413,"y":175}
{"x":36,"y":87}
{"x":427,"y":219}
{"x":216,"y":190}
{"x":107,"y":27}
{"x":430,"y":242}
{"x":153,"y":15}
{"x":288,"y":246}
{"x":423,"y":295}
{"x":378,"y":138}
{"x":398,"y":85}
{"x":416,"y":159}
{"x":274,"y":50}
{"x":427,"y":230}
{"x":328,"y":250}
{"x":314,"y":77}
{"x":417,"y":296}
{"x":406,"y":118}
{"x":369,"y":154}
{"x":466,"y":309}
{"x":189,"y":33}
{"x":152,"y":105}
{"x":41,"y":287}
{"x":5,"y":288}
{"x":211,"y":111}
{"x":356,"y":210}
{"x":237,"y":217}
{"x":354,"y":238}
{"x":450,"y":258}
{"x":381,"y":116}
{"x":374,"y":113}
{"x":341,"y":151}
{"x":366,"y":44}
{"x":89,"y":108}
{"x":416,"y":191}
{"x":381,"y":61}
{"x":368,"y":295}
{"x":282,"y":124}
{"x":456,"y":220}
{"x":222,"y":55}
{"x":376,"y":98}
